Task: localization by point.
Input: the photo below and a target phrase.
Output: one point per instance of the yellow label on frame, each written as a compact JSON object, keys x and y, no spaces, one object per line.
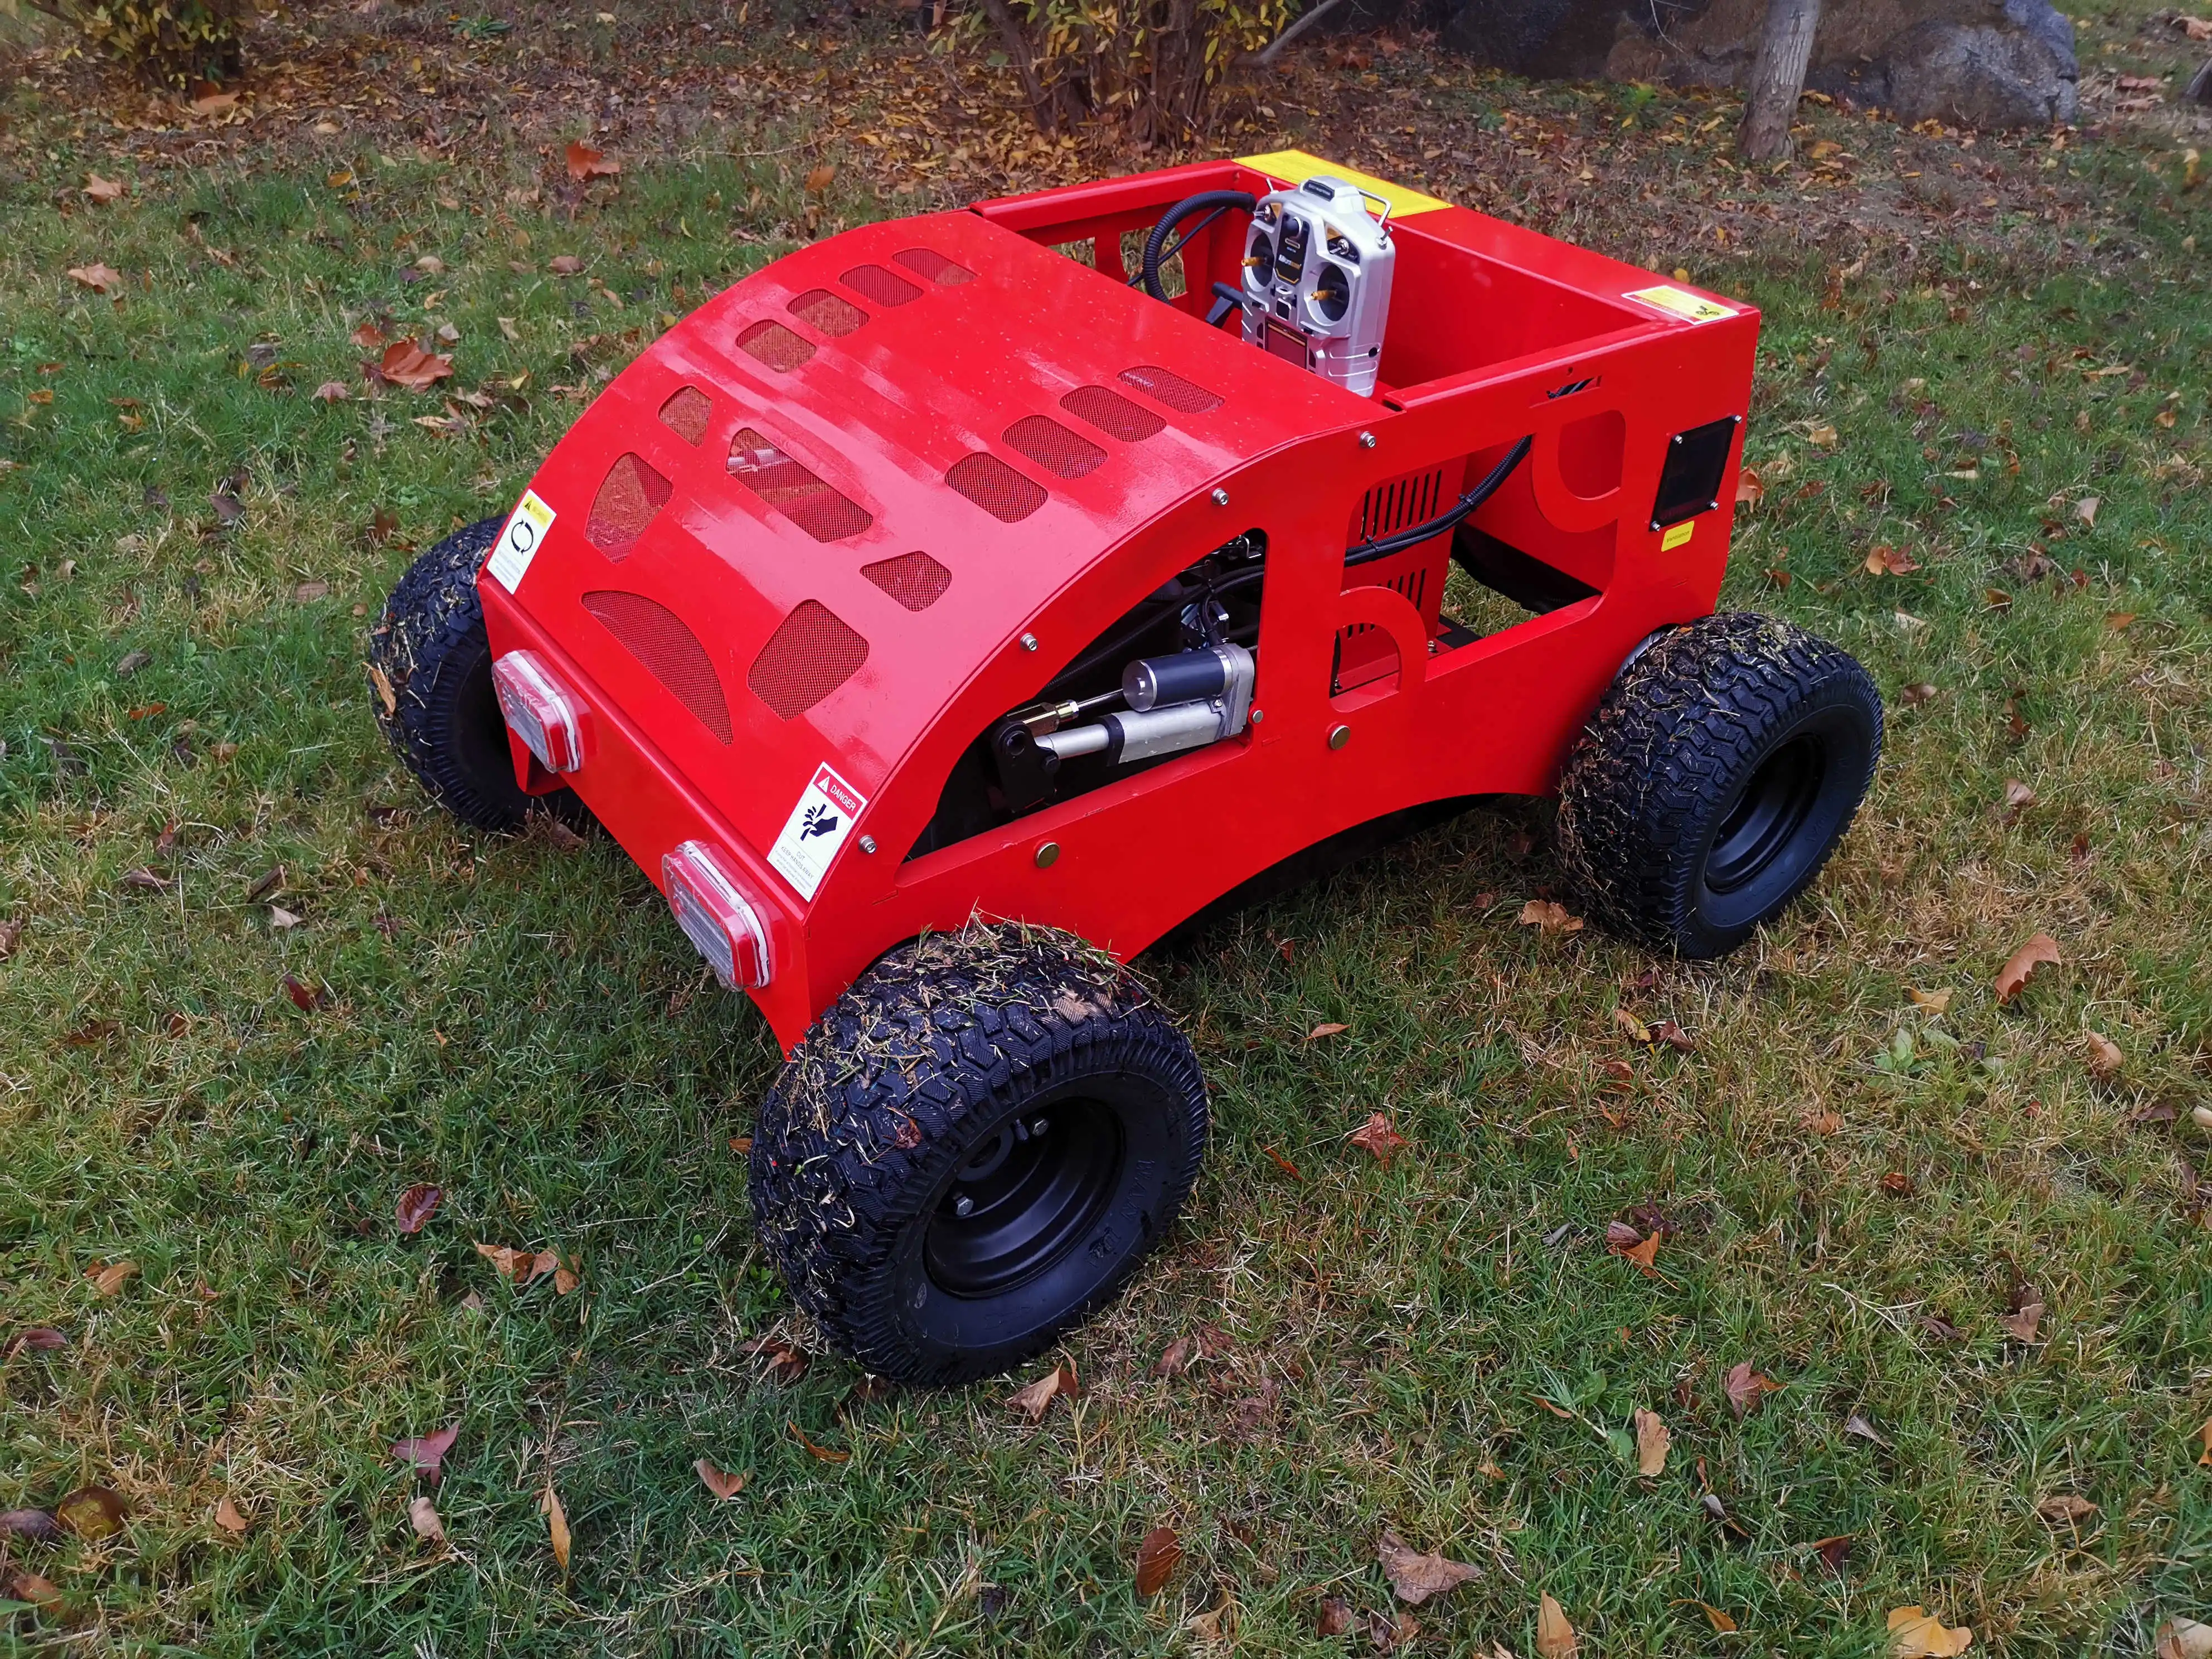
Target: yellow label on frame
{"x":1679,"y":302}
{"x":1677,"y":535}
{"x":1294,"y":167}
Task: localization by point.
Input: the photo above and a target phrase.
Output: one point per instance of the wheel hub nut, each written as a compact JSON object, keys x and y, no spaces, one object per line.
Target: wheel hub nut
{"x":963,"y":1206}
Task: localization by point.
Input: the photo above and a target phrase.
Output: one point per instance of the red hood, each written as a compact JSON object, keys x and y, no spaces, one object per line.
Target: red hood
{"x":943,"y":333}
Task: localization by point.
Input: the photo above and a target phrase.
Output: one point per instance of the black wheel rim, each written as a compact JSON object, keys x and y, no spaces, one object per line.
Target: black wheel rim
{"x":1024,"y":1197}
{"x":1768,"y":816}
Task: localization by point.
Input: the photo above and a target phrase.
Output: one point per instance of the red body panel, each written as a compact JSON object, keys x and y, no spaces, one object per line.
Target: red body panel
{"x":1487,"y":323}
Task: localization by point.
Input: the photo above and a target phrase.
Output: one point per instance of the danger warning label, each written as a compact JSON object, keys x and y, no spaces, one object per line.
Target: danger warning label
{"x":815,"y":831}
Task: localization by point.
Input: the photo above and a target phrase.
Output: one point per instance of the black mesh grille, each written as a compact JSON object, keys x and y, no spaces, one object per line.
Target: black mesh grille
{"x":885,"y":287}
{"x":1054,"y":447}
{"x":667,"y":650}
{"x":831,"y":314}
{"x":914,"y":580}
{"x":775,"y":345}
{"x":996,"y":488}
{"x":1111,"y":413}
{"x":1170,"y":390}
{"x":809,"y":655}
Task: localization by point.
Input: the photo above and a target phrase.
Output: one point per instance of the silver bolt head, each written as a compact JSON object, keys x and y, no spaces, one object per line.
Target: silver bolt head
{"x":867,"y":843}
{"x":1039,"y":1126}
{"x":963,"y":1206}
{"x":1367,"y":440}
{"x":1221,"y":498}
{"x":1029,"y":642}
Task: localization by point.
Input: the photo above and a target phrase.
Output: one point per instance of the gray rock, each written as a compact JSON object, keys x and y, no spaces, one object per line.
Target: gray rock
{"x":1978,"y":76}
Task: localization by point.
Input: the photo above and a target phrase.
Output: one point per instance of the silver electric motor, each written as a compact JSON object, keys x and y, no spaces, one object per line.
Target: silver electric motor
{"x":1178,"y":702}
{"x":1316,"y":288}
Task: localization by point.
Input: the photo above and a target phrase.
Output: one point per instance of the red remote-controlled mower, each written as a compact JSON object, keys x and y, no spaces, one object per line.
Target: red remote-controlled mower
{"x":940,"y":619}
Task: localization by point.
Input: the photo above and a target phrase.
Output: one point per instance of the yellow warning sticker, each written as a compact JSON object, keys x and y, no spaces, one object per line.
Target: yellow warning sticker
{"x":1677,"y":302}
{"x":1676,"y":535}
{"x":1294,"y":167}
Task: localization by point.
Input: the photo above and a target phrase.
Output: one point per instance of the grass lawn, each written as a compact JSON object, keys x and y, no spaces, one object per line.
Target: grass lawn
{"x":1862,"y":1174}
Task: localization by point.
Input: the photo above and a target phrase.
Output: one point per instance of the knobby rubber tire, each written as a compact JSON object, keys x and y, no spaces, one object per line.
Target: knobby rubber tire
{"x":444,"y":720}
{"x":927,"y":1057}
{"x":1675,"y":742}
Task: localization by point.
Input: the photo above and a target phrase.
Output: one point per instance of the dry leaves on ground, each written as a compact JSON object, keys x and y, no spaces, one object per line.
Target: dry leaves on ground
{"x":1329,"y":1028}
{"x":102,"y":190}
{"x":1887,"y":561}
{"x":1555,"y":1637}
{"x":100,"y":278}
{"x":1916,"y":1635}
{"x":107,"y":1277}
{"x":1745,"y":1388}
{"x":1652,"y":1442}
{"x":820,"y":1453}
{"x":1722,"y":1624}
{"x":1378,"y":1138}
{"x":1174,"y":1358}
{"x":417,"y":1204}
{"x":1549,"y":916}
{"x":2104,"y":1056}
{"x":229,"y":1517}
{"x":2013,"y":977}
{"x":723,"y":1485}
{"x":2025,"y":1314}
{"x":427,"y":1453}
{"x":1624,"y":1241}
{"x":92,"y":1513}
{"x":422,"y":1516}
{"x":2065,"y":1507}
{"x":406,"y":364}
{"x":1414,"y":1577}
{"x":556,"y":1524}
{"x":2184,"y":1638}
{"x":1158,"y":1555}
{"x":786,"y":1361}
{"x":1032,"y":1400}
{"x":584,"y":162}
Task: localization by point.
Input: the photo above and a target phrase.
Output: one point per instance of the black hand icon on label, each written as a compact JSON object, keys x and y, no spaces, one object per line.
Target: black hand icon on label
{"x":820,"y":821}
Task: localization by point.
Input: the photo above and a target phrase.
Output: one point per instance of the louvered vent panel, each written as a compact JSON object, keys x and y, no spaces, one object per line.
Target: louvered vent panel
{"x":929,"y":263}
{"x":792,"y":490}
{"x":885,"y":287}
{"x":1111,"y":413}
{"x":809,"y":655}
{"x":775,"y":345}
{"x":996,"y":488}
{"x":828,"y":313}
{"x":626,"y":501}
{"x":1054,"y":446}
{"x":667,"y":650}
{"x":914,"y":580}
{"x":1171,"y":391}
{"x":1392,"y":507}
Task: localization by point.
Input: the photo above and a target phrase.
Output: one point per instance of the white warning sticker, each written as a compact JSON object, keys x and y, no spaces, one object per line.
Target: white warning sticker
{"x":519,"y":538}
{"x":817,"y":828}
{"x":1677,"y":302}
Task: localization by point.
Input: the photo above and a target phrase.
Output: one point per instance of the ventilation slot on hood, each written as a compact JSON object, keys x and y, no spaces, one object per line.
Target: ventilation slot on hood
{"x":626,"y":502}
{"x":885,"y":287}
{"x":996,"y":488}
{"x":1054,"y":447}
{"x":687,"y":414}
{"x":1111,"y":413}
{"x":834,"y":316}
{"x":1171,"y":389}
{"x":775,"y":345}
{"x":809,"y":655}
{"x":792,"y":490}
{"x":1415,"y":499}
{"x":914,"y":580}
{"x":928,"y":262}
{"x":667,"y":650}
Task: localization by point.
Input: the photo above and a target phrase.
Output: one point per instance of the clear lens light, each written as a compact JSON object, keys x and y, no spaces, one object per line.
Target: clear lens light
{"x":543,"y":712}
{"x":716,"y":916}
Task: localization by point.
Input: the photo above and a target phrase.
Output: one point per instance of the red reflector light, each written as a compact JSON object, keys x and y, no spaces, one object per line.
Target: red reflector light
{"x":716,"y":916}
{"x":545,"y":714}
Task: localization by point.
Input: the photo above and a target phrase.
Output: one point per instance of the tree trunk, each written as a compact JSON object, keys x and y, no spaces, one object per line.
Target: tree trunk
{"x":1043,"y":107}
{"x":2200,"y":89}
{"x":1777,"y":78}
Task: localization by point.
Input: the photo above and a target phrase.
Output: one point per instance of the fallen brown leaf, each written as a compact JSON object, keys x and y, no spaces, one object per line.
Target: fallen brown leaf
{"x":1032,"y":1400}
{"x":820,"y":1453}
{"x":2086,"y":509}
{"x":1555,"y":1637}
{"x":92,"y":1513}
{"x":36,"y":1525}
{"x":1919,"y":693}
{"x":2020,"y":968}
{"x":564,"y":264}
{"x":1376,"y":1138}
{"x":417,"y":1204}
{"x":1916,"y":1635}
{"x":1174,"y":1358}
{"x":108,"y":1278}
{"x":818,"y":178}
{"x":1833,"y":1552}
{"x":556,"y":1524}
{"x":1414,"y":1577}
{"x":2065,"y":1508}
{"x":102,"y":190}
{"x":722,"y":1484}
{"x":1331,"y":1029}
{"x":2183,"y":1638}
{"x":584,"y":162}
{"x":1652,"y":1442}
{"x":427,"y":1454}
{"x":98,"y":278}
{"x":2104,"y":1056}
{"x":20,"y":1584}
{"x":405,"y":363}
{"x":1159,"y":1554}
{"x":332,"y":391}
{"x":1722,"y":1624}
{"x":786,"y":1362}
{"x":2025,"y":1314}
{"x":229,"y":1516}
{"x":1644,"y":1254}
{"x":1888,"y":561}
{"x":1334,"y":1616}
{"x":422,"y":1516}
{"x":1746,"y":1386}
{"x":1549,"y":916}
{"x":1934,"y":1001}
